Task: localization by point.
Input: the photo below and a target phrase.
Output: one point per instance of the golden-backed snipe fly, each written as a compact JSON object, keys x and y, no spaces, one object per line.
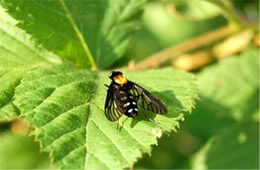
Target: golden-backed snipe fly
{"x":124,"y":96}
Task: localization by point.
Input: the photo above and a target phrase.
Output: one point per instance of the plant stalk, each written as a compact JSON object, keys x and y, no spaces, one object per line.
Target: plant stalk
{"x":81,"y":38}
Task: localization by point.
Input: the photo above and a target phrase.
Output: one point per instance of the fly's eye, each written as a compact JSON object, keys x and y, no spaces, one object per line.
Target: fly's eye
{"x":114,"y":73}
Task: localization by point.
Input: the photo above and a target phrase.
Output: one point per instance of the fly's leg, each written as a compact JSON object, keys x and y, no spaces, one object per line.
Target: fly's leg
{"x":100,"y":98}
{"x":118,"y":125}
{"x":158,"y":124}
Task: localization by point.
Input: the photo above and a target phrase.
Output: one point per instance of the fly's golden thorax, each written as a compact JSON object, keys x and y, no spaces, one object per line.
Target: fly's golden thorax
{"x":120,"y":79}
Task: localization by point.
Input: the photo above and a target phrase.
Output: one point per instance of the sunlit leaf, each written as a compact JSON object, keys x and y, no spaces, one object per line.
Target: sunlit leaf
{"x":66,"y":105}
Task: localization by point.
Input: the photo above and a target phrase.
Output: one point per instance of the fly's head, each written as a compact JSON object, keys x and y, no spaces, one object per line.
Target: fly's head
{"x":117,"y":77}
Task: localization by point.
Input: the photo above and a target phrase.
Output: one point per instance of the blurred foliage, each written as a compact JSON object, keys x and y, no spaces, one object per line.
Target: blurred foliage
{"x":236,"y":147}
{"x":21,"y":152}
{"x":163,"y":28}
{"x":206,"y":121}
{"x":171,"y":22}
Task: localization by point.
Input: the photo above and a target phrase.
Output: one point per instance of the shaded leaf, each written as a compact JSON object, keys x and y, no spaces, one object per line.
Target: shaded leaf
{"x":229,"y":91}
{"x":66,"y":105}
{"x":81,"y":29}
{"x":227,"y":115}
{"x":233,"y":84}
{"x":234,"y":148}
{"x":211,"y":120}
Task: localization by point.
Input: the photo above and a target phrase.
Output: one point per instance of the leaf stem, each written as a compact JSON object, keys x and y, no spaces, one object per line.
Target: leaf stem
{"x":158,"y":58}
{"x":80,"y":37}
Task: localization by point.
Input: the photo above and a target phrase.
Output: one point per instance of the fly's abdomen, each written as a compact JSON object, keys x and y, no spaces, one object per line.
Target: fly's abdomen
{"x":132,"y":109}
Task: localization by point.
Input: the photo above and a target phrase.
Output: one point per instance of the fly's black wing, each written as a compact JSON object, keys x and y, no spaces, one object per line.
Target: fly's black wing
{"x":115,"y":101}
{"x":146,"y":99}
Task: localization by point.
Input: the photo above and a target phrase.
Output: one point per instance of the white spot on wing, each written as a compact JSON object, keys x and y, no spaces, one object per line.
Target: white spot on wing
{"x":134,"y":103}
{"x":136,"y":109}
{"x":128,"y":103}
{"x":123,"y":98}
{"x":130,"y":110}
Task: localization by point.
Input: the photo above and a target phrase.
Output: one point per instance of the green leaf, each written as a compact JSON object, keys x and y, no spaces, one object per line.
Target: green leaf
{"x":18,"y":54}
{"x":234,"y":148}
{"x":233,"y":85}
{"x":66,"y":107}
{"x":80,"y":30}
{"x":8,"y":82}
{"x":17,"y":51}
{"x":21,"y":152}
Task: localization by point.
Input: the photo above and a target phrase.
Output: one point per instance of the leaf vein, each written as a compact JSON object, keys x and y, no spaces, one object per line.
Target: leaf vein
{"x":79,"y":35}
{"x":75,"y":107}
{"x":114,"y":143}
{"x":10,"y":52}
{"x":50,"y":29}
{"x":44,"y":101}
{"x":26,"y":45}
{"x":73,"y":150}
{"x":137,"y":140}
{"x":59,"y":137}
{"x":98,"y":159}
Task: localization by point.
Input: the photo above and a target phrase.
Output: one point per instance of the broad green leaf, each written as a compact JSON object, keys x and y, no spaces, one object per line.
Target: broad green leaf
{"x":80,"y":30}
{"x":233,"y":84}
{"x":18,"y":54}
{"x":21,"y":152}
{"x":236,"y":147}
{"x":66,"y":106}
